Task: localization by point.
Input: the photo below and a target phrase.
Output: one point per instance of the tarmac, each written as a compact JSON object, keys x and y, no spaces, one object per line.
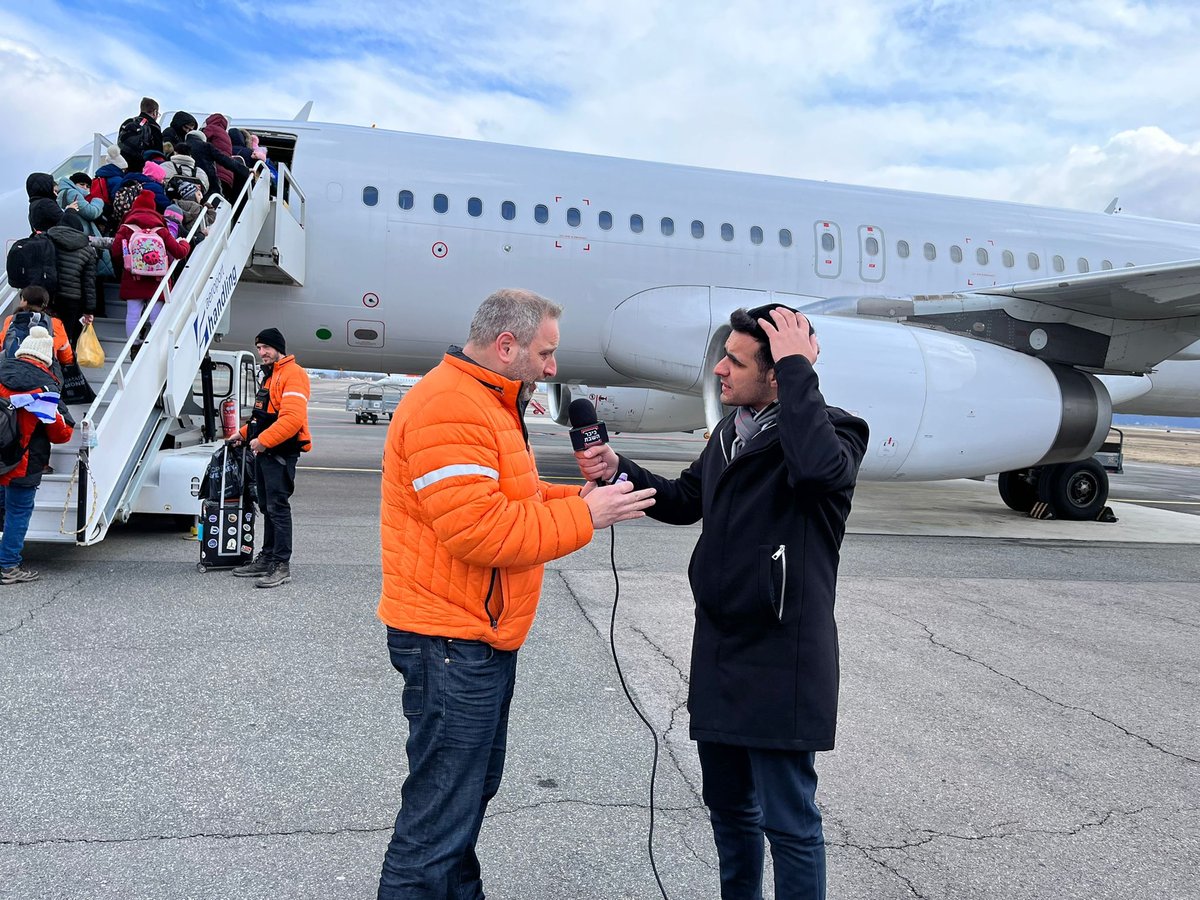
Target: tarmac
{"x":1019,"y":705}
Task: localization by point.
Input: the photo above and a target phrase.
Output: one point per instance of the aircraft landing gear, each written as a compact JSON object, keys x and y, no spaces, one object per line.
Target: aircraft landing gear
{"x":1075,"y":490}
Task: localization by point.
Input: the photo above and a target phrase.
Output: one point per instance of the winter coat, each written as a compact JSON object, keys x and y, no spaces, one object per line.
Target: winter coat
{"x":207,"y":157}
{"x":63,"y":354}
{"x":466,"y":524}
{"x":114,"y":175}
{"x":76,"y":268}
{"x":764,"y":571}
{"x":181,"y":123}
{"x":40,"y":188}
{"x":216,"y":129}
{"x":25,"y":376}
{"x":286,"y":406}
{"x":155,"y":188}
{"x":89,"y":210}
{"x":143,"y":215}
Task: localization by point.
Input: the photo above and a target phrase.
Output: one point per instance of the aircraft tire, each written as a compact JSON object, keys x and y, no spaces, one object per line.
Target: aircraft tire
{"x":1075,"y":490}
{"x":1019,"y":489}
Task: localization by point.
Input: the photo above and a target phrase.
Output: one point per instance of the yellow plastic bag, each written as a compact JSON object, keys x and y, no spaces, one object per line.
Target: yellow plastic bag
{"x":88,"y":351}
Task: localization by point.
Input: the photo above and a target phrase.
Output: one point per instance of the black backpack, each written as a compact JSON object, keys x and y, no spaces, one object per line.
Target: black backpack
{"x":135,"y":137}
{"x":18,"y":329}
{"x":12,"y":451}
{"x":182,"y":177}
{"x":33,"y":261}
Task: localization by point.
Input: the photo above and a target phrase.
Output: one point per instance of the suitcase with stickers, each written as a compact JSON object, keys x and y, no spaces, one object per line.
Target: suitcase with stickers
{"x":227,"y":525}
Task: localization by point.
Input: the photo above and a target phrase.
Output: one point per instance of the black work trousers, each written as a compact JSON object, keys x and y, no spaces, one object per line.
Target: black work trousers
{"x":275,"y":478}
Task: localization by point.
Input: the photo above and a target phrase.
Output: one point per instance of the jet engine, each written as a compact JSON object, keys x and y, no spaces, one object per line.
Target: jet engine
{"x":629,"y":408}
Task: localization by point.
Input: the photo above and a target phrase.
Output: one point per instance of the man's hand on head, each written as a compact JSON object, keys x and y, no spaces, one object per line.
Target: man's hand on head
{"x":789,"y":335}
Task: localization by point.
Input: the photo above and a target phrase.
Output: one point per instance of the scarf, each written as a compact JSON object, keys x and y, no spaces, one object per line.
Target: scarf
{"x":747,"y":423}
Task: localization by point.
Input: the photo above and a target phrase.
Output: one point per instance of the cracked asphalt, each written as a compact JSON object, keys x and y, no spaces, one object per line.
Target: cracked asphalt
{"x":1019,"y":715}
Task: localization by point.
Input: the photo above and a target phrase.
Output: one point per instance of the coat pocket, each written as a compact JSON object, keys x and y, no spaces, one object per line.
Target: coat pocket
{"x":773,"y":578}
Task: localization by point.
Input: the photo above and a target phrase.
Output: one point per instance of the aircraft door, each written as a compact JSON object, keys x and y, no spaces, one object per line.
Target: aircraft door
{"x":828,"y":255}
{"x":870,"y":253}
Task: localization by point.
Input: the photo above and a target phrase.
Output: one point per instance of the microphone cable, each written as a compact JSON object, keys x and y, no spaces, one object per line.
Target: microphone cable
{"x":612,"y":642}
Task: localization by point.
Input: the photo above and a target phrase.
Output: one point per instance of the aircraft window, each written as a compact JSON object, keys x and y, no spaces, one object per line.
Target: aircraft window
{"x":573,"y":217}
{"x":508,"y":210}
{"x":930,"y":251}
{"x":635,"y":223}
{"x":785,"y":238}
{"x":1082,"y":263}
{"x":605,"y":219}
{"x":827,"y":242}
{"x":1035,"y":262}
{"x":667,"y":225}
{"x":755,"y":234}
{"x":475,"y":207}
{"x":902,"y":249}
{"x":981,"y":256}
{"x":871,"y":245}
{"x":697,"y":228}
{"x":370,"y":195}
{"x":726,"y":232}
{"x":541,"y":214}
{"x":955,"y":253}
{"x":1059,"y":264}
{"x":440,"y":203}
{"x":1008,"y":258}
{"x":1105,"y":264}
{"x":406,"y":199}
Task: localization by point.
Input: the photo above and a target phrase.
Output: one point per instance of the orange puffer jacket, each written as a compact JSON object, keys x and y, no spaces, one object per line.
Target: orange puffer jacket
{"x":466,"y":524}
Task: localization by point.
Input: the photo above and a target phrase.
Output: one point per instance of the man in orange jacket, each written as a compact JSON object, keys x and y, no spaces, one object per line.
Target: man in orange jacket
{"x":466,"y":527}
{"x":278,"y":434}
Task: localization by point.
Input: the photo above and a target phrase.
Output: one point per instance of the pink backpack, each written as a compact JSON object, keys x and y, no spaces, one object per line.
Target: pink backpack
{"x":146,"y":254}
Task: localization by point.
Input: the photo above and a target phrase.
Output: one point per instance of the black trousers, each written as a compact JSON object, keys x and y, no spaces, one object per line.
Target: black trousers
{"x":275,"y":478}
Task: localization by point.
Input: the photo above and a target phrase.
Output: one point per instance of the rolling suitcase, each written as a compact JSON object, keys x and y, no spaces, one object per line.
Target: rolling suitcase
{"x":227,"y":524}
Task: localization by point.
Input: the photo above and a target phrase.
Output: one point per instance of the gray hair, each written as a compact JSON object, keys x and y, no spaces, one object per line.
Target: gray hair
{"x":515,"y":310}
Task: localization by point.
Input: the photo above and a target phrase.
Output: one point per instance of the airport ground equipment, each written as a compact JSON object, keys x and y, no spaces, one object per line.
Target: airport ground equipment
{"x":370,"y":402}
{"x":143,"y":444}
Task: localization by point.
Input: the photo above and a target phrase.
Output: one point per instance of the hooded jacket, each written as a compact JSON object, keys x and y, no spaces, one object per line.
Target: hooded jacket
{"x":27,"y":376}
{"x":181,"y":123}
{"x":216,"y":129}
{"x":466,"y":524}
{"x":143,"y":215}
{"x":114,"y":175}
{"x":43,"y":208}
{"x":764,"y":571}
{"x":181,"y":163}
{"x":76,"y":268}
{"x":89,"y":210}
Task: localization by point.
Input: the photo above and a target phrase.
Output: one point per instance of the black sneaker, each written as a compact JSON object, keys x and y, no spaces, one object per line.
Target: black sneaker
{"x":253,"y":569}
{"x":17,"y":575}
{"x":278,"y":574}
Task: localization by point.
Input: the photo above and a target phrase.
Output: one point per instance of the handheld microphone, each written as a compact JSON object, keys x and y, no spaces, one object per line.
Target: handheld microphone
{"x":586,"y":429}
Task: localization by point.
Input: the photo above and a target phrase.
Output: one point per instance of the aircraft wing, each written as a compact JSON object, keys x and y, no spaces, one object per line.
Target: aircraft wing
{"x":1137,"y":293}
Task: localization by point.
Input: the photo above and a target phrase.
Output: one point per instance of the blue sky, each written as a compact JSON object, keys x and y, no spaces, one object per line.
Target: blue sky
{"x":1064,"y":103}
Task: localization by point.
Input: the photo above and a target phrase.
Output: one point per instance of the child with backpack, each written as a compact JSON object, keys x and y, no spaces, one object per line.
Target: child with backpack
{"x":143,"y":250}
{"x":34,"y":309}
{"x":31,"y":419}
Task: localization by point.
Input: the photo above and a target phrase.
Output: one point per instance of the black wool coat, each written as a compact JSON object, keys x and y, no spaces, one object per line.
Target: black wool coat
{"x":764,"y":571}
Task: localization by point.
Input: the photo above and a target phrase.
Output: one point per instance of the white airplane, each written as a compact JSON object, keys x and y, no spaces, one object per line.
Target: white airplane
{"x":975,"y":337}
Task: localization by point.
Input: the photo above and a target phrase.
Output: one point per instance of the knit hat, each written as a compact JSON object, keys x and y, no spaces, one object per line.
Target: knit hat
{"x":196,"y":135}
{"x":154,"y":171}
{"x":113,"y":156}
{"x":272,"y":337}
{"x":153,"y":155}
{"x":44,"y":214}
{"x":186,"y":191}
{"x":38,"y":345}
{"x":173,"y":212}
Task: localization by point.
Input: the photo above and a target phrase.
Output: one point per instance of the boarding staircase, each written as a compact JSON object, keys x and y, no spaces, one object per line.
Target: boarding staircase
{"x":144,"y":408}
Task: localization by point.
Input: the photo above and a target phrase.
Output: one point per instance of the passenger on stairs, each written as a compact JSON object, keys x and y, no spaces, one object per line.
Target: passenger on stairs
{"x":33,"y":309}
{"x":108,"y":179}
{"x":75,"y":193}
{"x":41,"y":420}
{"x":43,"y":204}
{"x":199,"y":149}
{"x":182,"y":169}
{"x":151,"y":179}
{"x":142,"y":222}
{"x":181,"y":123}
{"x":76,"y":294}
{"x":231,"y":171}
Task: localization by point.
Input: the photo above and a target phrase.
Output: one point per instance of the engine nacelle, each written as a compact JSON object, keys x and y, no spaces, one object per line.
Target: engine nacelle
{"x":630,"y":409}
{"x":939,"y":405}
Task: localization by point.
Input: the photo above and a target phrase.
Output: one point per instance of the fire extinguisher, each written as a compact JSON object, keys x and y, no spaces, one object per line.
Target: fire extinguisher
{"x":229,"y":417}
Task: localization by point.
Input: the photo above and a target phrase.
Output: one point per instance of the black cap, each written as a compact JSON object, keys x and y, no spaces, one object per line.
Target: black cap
{"x":272,"y":337}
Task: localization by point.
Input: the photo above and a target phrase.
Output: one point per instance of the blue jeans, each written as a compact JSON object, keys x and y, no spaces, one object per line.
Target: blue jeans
{"x":751,"y":792}
{"x":456,"y":698}
{"x":18,"y":510}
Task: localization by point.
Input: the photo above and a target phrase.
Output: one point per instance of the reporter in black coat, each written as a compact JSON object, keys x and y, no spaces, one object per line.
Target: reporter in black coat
{"x":773,"y":487}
